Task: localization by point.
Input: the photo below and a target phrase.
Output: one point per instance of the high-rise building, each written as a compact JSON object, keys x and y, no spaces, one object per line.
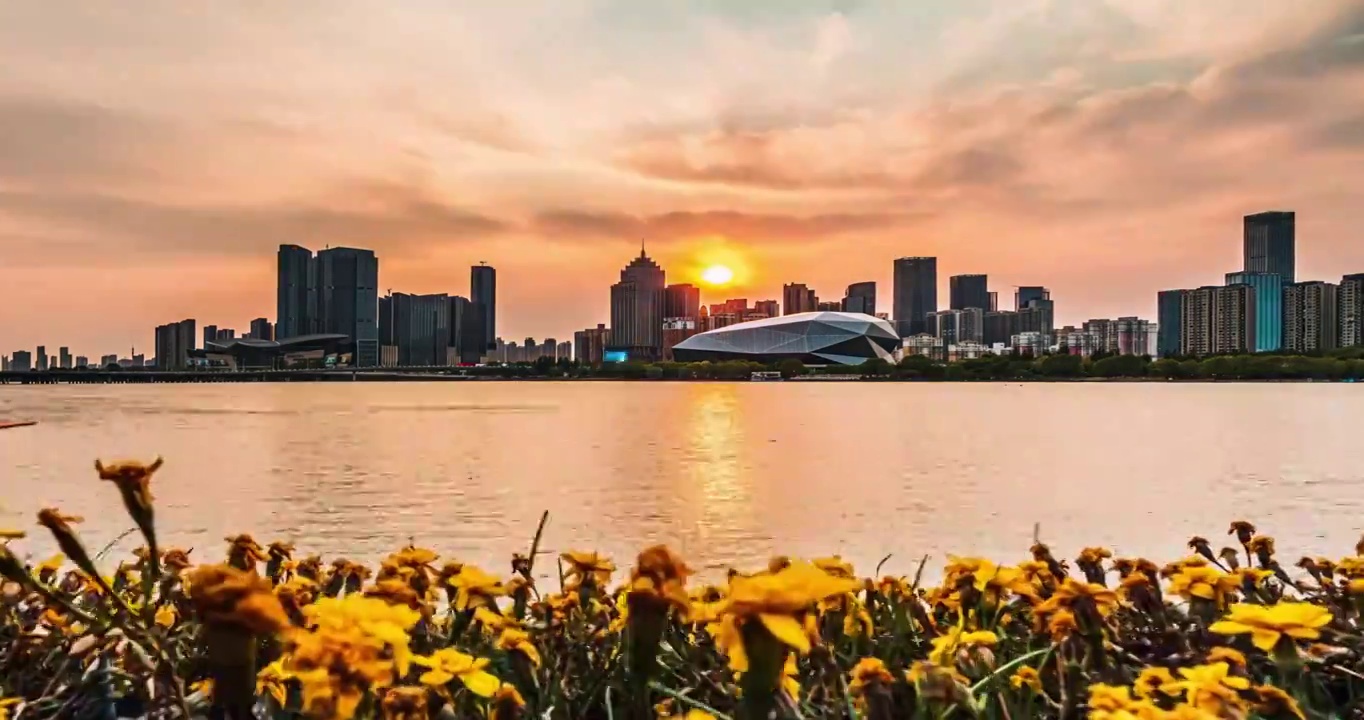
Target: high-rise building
{"x":64,"y":358}
{"x":483,"y":293}
{"x":466,"y":331}
{"x":1268,"y":307}
{"x":1169,"y":306}
{"x":682,"y":300}
{"x":1350,"y":310}
{"x":22,"y":361}
{"x":82,"y":361}
{"x":589,"y":346}
{"x":348,"y":299}
{"x":225,"y":334}
{"x":42,"y":358}
{"x":295,"y":294}
{"x":1309,"y":316}
{"x":1133,"y":336}
{"x":1216,"y":320}
{"x":1038,"y":315}
{"x":764,"y":309}
{"x":829,"y":306}
{"x":958,"y":325}
{"x":417,"y":327}
{"x":174,"y":341}
{"x":798,"y":298}
{"x":969,"y":291}
{"x":107,"y":360}
{"x":210,"y":334}
{"x":860,"y":297}
{"x":564,"y":351}
{"x":1270,"y":244}
{"x":261,"y":329}
{"x":1105,"y":334}
{"x":915,"y":293}
{"x":4,"y":363}
{"x":1000,"y":326}
{"x":637,"y":309}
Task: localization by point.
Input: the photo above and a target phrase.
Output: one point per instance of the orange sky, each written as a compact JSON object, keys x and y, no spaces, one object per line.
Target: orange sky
{"x":153,"y":155}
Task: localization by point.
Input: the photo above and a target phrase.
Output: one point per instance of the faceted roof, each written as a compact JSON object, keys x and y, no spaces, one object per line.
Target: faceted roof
{"x":833,"y":337}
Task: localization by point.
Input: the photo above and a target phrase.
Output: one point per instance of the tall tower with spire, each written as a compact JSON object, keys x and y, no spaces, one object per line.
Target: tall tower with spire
{"x":637,"y":309}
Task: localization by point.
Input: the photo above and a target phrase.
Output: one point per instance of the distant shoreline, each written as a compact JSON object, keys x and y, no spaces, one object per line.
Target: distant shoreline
{"x":365,"y":377}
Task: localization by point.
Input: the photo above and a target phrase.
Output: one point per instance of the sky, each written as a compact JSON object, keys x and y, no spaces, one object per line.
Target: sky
{"x":155,"y":153}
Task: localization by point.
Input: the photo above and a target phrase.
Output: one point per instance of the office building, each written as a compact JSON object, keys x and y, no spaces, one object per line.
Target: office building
{"x":915,"y":293}
{"x":82,"y":361}
{"x":262,"y":329}
{"x":1350,"y":310}
{"x":797,"y":298}
{"x":564,"y":351}
{"x":107,"y":360}
{"x":969,"y":291}
{"x":637,"y":310}
{"x":416,"y":328}
{"x":1000,"y":326}
{"x":1027,"y":293}
{"x":483,"y":294}
{"x":1169,"y":306}
{"x":4,"y":363}
{"x":1309,"y":317}
{"x":1216,"y":320}
{"x":210,"y":334}
{"x":467,"y":336}
{"x":64,"y":358}
{"x":958,"y":325}
{"x":1038,"y":314}
{"x":1270,"y":244}
{"x":682,"y":300}
{"x":174,"y":342}
{"x":1268,"y":307}
{"x":764,"y":309}
{"x":829,"y":306}
{"x":42,"y":358}
{"x":589,"y":346}
{"x":860,"y":298}
{"x":21,"y":361}
{"x":348,"y":300}
{"x":225,"y":334}
{"x":296,"y":293}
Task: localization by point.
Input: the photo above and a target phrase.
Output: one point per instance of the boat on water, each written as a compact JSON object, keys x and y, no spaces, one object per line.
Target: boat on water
{"x":765,"y":376}
{"x":7,"y":425}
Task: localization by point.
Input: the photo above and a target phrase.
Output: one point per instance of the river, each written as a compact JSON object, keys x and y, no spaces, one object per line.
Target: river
{"x":728,"y":473}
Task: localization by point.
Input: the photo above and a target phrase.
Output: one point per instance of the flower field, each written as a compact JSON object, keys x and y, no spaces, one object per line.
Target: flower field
{"x":265,"y":631}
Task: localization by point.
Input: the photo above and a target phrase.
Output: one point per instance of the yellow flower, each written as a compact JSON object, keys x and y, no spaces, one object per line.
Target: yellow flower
{"x":1266,"y":624}
{"x":1208,"y":687}
{"x":1026,"y":677}
{"x":857,"y":621}
{"x":448,"y":664}
{"x":1274,"y":702}
{"x":584,"y":565}
{"x":476,"y":589}
{"x":945,"y":646}
{"x":779,"y":601}
{"x":226,"y":596}
{"x":515,"y":640}
{"x":1202,"y":581}
{"x":1073,"y":595}
{"x":1062,"y":625}
{"x":660,"y":576}
{"x":404,"y":703}
{"x":166,"y":616}
{"x":272,"y":680}
{"x":494,"y":622}
{"x":1230,"y":656}
{"x":1254,"y":576}
{"x":835,"y":566}
{"x":367,"y":621}
{"x":790,"y":677}
{"x":506,"y":702}
{"x":868,"y":671}
{"x":6,"y":704}
{"x":1151,"y":680}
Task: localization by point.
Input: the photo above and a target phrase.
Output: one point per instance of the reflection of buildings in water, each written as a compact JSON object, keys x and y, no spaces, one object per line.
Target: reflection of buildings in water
{"x":715,"y":436}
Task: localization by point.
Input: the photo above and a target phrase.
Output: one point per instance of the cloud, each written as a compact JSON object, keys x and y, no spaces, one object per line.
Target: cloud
{"x":745,"y":227}
{"x":55,"y":141}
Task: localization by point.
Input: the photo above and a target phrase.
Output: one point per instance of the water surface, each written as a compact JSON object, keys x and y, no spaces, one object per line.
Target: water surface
{"x":730,"y":473}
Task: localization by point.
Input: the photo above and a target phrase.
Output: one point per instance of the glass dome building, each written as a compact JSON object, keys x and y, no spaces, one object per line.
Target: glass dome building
{"x":814,"y":338}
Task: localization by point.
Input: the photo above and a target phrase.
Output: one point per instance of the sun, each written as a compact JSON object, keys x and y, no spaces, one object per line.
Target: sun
{"x":717,"y":275}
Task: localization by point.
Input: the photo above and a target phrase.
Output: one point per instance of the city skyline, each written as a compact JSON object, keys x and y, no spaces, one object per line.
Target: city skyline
{"x":1103,"y":150}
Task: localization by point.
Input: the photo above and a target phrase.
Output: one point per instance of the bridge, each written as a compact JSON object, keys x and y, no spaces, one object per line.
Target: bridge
{"x":127,"y":377}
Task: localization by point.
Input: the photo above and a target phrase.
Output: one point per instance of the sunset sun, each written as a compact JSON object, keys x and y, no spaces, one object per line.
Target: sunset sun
{"x":717,"y":275}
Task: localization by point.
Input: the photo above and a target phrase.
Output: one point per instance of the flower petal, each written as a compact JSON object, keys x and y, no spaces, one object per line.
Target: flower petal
{"x":786,"y":629}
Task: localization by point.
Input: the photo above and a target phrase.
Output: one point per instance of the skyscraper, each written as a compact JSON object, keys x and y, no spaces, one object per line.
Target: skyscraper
{"x":682,"y":300}
{"x":798,"y":298}
{"x":1218,"y":320}
{"x":21,"y":361}
{"x":1027,"y":293}
{"x":415,"y":327}
{"x":261,"y":329}
{"x":1270,"y":244}
{"x":1268,"y":307}
{"x":860,"y":298}
{"x":637,"y":309}
{"x":173,"y":342}
{"x":1350,"y":312}
{"x":466,"y":330}
{"x":1169,"y":305}
{"x":295,"y":294}
{"x":64,"y":358}
{"x":348,"y":299}
{"x":42,"y":358}
{"x":1309,"y":316}
{"x":483,"y":293}
{"x":969,"y":291}
{"x":915,"y":293}
{"x":210,"y":334}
